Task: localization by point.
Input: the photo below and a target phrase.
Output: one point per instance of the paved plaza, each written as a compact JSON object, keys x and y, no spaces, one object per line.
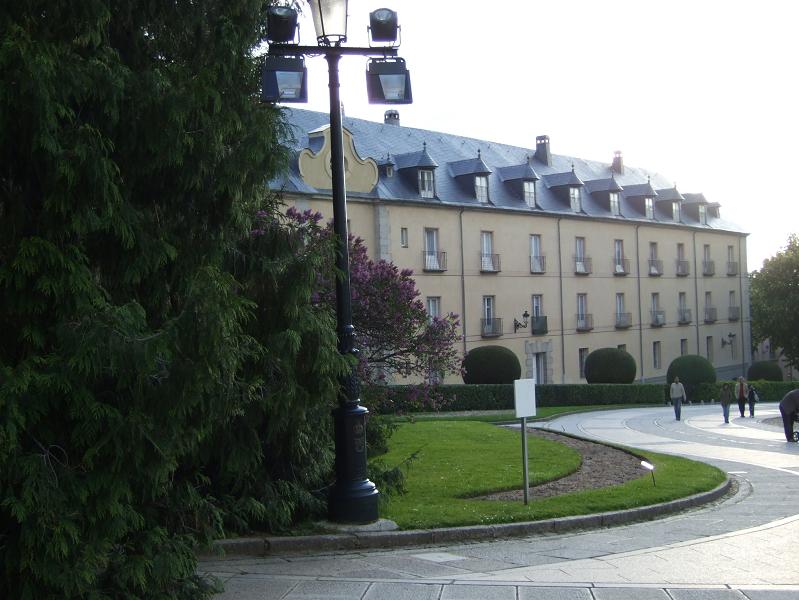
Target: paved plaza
{"x":745,"y":545}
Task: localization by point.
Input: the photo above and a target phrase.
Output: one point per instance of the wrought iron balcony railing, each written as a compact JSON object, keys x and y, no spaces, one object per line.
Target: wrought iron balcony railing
{"x":434,"y":261}
{"x":538,"y":325}
{"x":624,"y":320}
{"x":489,"y":263}
{"x":655,"y":267}
{"x":582,"y":265}
{"x":710,"y":314}
{"x":621,"y":266}
{"x":491,"y":327}
{"x":538,"y":264}
{"x":658,"y":318}
{"x":585,"y":322}
{"x":683,"y":268}
{"x":683,"y":316}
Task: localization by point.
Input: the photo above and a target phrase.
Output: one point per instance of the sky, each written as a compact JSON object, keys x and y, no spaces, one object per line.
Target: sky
{"x":704,"y":92}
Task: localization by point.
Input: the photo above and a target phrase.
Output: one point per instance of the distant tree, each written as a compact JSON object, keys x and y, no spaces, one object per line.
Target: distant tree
{"x":774,"y":292}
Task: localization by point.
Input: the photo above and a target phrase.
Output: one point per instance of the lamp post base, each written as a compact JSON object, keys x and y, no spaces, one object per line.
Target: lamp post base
{"x":353,"y":498}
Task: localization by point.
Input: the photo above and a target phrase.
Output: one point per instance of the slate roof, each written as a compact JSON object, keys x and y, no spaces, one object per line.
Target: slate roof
{"x":518,"y":172}
{"x":409,"y":148}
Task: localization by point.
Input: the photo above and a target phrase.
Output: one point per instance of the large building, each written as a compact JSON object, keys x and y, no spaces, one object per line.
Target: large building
{"x":597,"y":254}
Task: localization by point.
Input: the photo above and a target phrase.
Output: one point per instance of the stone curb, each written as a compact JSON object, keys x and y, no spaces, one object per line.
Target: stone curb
{"x":273,"y":546}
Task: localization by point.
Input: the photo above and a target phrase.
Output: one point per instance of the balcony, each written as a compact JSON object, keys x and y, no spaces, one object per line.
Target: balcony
{"x":683,"y":268}
{"x":732,"y":268}
{"x":657,"y":318}
{"x":491,"y":327}
{"x":582,"y":265}
{"x":434,"y":261}
{"x":655,"y":267}
{"x":624,"y":320}
{"x":585,"y":322}
{"x":734,"y":313}
{"x":538,"y":325}
{"x":708,"y":268}
{"x":489,"y":263}
{"x":538,"y":264}
{"x":621,"y":266}
{"x":710,"y":314}
{"x":683,"y":316}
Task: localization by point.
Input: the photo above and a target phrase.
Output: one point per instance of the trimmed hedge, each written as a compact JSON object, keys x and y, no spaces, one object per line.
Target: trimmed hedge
{"x":408,"y":399}
{"x":692,"y":369}
{"x":767,"y":370}
{"x":609,"y":365}
{"x":491,"y":364}
{"x":767,"y":391}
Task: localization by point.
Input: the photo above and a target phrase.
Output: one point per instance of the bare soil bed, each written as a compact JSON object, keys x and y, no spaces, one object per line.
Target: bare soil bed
{"x":601,"y":466}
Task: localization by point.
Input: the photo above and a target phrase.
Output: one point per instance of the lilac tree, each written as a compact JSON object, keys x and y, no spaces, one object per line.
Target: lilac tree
{"x":394,"y":334}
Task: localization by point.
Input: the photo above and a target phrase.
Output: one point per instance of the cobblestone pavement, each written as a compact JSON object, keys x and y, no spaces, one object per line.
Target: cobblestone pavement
{"x":743,"y":546}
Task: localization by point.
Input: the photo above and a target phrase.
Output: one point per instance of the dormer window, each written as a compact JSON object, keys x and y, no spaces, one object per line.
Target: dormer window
{"x":649,"y":207}
{"x":614,"y":203}
{"x":389,"y":170}
{"x":702,"y":214}
{"x":481,"y":188}
{"x":529,"y":193}
{"x":427,"y":183}
{"x":676,"y":212}
{"x":574,"y":199}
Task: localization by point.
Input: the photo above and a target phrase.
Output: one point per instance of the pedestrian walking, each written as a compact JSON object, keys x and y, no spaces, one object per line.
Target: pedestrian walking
{"x":726,"y":400}
{"x":789,"y":407}
{"x":753,"y":398}
{"x":677,"y":395}
{"x":742,"y":395}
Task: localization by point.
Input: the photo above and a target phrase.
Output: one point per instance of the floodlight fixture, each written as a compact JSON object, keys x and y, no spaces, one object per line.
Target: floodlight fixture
{"x":383,"y":25}
{"x":281,"y":24}
{"x":388,"y":81}
{"x":283,"y":79}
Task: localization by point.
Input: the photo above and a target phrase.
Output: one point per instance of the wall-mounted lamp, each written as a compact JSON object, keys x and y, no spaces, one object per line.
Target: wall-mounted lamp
{"x":517,"y":325}
{"x":729,"y":341}
{"x":651,"y":468}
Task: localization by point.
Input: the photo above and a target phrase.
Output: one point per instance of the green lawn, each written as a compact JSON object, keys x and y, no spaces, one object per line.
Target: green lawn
{"x":461,"y":459}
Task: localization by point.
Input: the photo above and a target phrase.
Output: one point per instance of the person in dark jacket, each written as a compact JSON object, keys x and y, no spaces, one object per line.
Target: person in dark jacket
{"x":789,"y":407}
{"x":752,"y":399}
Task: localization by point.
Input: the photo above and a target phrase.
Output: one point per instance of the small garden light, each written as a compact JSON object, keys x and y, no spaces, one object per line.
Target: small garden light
{"x":651,"y":468}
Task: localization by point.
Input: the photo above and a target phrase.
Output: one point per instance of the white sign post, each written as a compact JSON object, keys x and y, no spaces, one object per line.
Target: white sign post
{"x":524,"y":400}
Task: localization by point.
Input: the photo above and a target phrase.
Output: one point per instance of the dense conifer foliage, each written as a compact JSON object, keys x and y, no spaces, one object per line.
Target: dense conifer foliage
{"x":162,"y":368}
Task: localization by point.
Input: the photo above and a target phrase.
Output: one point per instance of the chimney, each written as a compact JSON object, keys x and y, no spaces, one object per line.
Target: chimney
{"x":618,"y":163}
{"x":542,"y":150}
{"x":391,"y":117}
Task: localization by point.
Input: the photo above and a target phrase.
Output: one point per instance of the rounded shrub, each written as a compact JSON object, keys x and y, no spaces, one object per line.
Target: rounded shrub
{"x":764,"y":370}
{"x":491,"y":364}
{"x":692,"y":370}
{"x":609,"y":365}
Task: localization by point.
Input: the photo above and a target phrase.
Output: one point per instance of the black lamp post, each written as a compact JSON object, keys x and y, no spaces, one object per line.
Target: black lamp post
{"x":352,"y":498}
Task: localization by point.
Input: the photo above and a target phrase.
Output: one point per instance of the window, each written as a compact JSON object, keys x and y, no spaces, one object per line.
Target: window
{"x":649,"y":208}
{"x":733,"y":349}
{"x":389,"y":171}
{"x":702,"y":214}
{"x":481,"y":188}
{"x":683,"y":346}
{"x":536,"y":256}
{"x":574,"y":199}
{"x":427,"y":183}
{"x":655,"y":264}
{"x":583,"y":318}
{"x":540,"y":365}
{"x":618,"y":257}
{"x":732,"y":298}
{"x":613,"y":198}
{"x":431,"y":256}
{"x":708,"y":299}
{"x":404,"y":237}
{"x":709,"y":347}
{"x":433,"y":307}
{"x":706,"y":252}
{"x":653,"y":250}
{"x":682,"y":300}
{"x":529,"y":193}
{"x":492,"y":326}
{"x":656,"y":364}
{"x":487,"y":251}
{"x":658,"y":316}
{"x":731,"y":253}
{"x":580,"y":263}
{"x":619,"y":304}
{"x":622,"y":347}
{"x":676,"y":211}
{"x":680,"y":251}
{"x":581,"y":356}
{"x":538,"y":305}
{"x":655,"y":301}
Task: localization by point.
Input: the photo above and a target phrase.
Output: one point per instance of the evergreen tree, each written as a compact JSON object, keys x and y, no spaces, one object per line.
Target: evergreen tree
{"x":134,"y":152}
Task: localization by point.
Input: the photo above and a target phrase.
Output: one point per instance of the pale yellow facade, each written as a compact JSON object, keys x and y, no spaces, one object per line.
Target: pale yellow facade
{"x":624,"y":287}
